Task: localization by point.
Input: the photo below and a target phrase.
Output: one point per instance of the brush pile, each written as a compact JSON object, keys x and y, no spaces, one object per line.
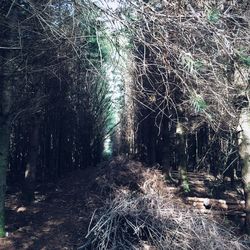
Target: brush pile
{"x":151,"y":218}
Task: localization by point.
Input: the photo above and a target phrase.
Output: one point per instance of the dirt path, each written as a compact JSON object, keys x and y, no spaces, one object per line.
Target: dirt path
{"x":59,"y":218}
{"x":56,"y":220}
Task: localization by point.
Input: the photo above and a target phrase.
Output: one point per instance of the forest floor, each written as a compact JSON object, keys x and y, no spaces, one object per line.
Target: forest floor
{"x":59,"y":217}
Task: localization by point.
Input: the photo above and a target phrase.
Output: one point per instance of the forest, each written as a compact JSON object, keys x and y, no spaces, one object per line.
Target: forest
{"x":124,"y":124}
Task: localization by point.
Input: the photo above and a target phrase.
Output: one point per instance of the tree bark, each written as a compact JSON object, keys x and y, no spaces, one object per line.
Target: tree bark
{"x":244,"y":143}
{"x":181,"y":154}
{"x":191,"y":152}
{"x":4,"y":150}
{"x":5,"y":101}
{"x":30,"y":173}
{"x":5,"y":104}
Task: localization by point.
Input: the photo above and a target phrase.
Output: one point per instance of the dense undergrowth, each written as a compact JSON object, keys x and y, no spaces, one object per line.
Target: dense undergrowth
{"x":142,"y":214}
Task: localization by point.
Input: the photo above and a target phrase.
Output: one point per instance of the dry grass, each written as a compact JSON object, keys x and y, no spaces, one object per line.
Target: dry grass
{"x":150,"y":218}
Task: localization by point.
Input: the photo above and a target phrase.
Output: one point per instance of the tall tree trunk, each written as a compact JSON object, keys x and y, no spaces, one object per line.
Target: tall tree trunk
{"x":5,"y":105}
{"x":5,"y":100}
{"x":152,"y":141}
{"x":244,"y":143}
{"x":191,"y":152}
{"x":31,"y":167}
{"x":231,"y":163}
{"x":214,"y":158}
{"x":181,"y":155}
{"x":165,"y":147}
{"x":4,"y":150}
{"x":202,"y":141}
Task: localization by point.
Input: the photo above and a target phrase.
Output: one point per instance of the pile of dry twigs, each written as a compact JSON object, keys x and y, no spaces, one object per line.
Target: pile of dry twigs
{"x":150,"y":218}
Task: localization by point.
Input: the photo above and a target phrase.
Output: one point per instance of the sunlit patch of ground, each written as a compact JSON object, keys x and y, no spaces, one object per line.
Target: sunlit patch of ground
{"x":59,"y":218}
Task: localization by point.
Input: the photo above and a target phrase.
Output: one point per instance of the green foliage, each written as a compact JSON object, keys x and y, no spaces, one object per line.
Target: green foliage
{"x":130,"y":15}
{"x":192,"y":65}
{"x":188,"y":61}
{"x":105,"y":47}
{"x":2,"y":233}
{"x":244,"y":59}
{"x":185,"y":186}
{"x":98,"y":50}
{"x":213,"y":15}
{"x":198,"y":65}
{"x":199,"y":103}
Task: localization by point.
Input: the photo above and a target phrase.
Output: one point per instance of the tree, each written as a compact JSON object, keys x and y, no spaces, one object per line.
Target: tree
{"x":4,"y":144}
{"x":187,"y":56}
{"x":54,"y":97}
{"x":8,"y":30}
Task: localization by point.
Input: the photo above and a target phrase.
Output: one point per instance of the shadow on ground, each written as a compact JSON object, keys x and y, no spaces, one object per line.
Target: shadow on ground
{"x":59,"y":218}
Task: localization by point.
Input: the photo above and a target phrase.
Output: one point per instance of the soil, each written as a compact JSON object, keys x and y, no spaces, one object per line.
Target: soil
{"x":57,"y":219}
{"x":59,"y":216}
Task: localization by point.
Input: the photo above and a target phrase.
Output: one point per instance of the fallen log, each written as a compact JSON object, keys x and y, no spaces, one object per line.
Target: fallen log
{"x":216,"y":204}
{"x":219,"y":212}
